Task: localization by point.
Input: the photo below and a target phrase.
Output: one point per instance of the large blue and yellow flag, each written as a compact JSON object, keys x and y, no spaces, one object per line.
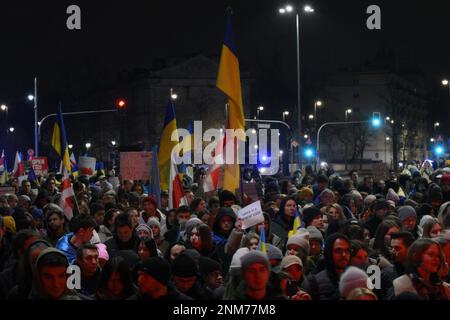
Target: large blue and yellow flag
{"x":166,"y":146}
{"x":297,"y":224}
{"x":59,"y":140}
{"x":262,"y":240}
{"x":229,"y":82}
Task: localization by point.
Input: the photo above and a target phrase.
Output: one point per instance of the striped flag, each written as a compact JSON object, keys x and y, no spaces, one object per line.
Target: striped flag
{"x":176,"y":192}
{"x":297,"y":224}
{"x":18,"y":165}
{"x":211,"y":181}
{"x":229,"y":82}
{"x":59,"y":141}
{"x":2,"y":162}
{"x":166,"y":146}
{"x":262,"y":240}
{"x":66,"y":197}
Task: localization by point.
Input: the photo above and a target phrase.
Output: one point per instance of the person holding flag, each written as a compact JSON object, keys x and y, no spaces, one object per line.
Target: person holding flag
{"x":262,"y":239}
{"x":286,"y":218}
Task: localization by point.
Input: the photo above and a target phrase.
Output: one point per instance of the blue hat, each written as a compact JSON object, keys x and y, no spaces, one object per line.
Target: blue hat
{"x":37,"y":214}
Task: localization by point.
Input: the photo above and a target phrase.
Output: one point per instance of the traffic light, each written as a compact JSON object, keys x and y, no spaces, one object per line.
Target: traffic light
{"x":121,"y":104}
{"x":376,"y":119}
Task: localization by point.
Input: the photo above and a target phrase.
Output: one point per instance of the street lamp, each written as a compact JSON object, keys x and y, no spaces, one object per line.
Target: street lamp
{"x":317,"y":103}
{"x":11,"y":129}
{"x":3,"y":107}
{"x":113,"y":142}
{"x":432,"y":140}
{"x":311,"y":116}
{"x":70,"y":146}
{"x":260,"y":108}
{"x":288,"y":9}
{"x":88,"y":145}
{"x":347,"y":112}
{"x":285,"y":113}
{"x":436,"y":124}
{"x":305,"y":136}
{"x":30,"y":97}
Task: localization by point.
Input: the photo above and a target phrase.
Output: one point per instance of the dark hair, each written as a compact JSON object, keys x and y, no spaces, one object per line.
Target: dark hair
{"x":354,"y":230}
{"x":195,"y":203}
{"x":81,"y":221}
{"x":446,"y":221}
{"x":183,"y":209}
{"x":151,"y":246}
{"x":415,"y":252}
{"x":119,"y":265}
{"x":382,"y":229}
{"x":283,"y":204}
{"x":108,"y":215}
{"x":406,"y":237}
{"x":355,"y":246}
{"x":123,"y":219}
{"x":328,"y":253}
{"x":86,"y":246}
{"x":206,"y":238}
{"x":322,"y":178}
{"x":21,"y":237}
{"x":213,"y":201}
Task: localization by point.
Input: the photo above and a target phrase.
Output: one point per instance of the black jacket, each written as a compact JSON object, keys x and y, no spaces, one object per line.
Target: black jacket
{"x":114,"y":244}
{"x":172,"y":294}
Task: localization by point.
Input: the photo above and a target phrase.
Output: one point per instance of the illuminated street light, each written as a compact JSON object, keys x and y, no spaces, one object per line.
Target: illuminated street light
{"x":11,"y":129}
{"x":308,"y":9}
{"x":70,"y":146}
{"x":445,"y":82}
{"x":88,"y":145}
{"x":3,"y":107}
{"x":311,"y":116}
{"x":30,"y":97}
{"x":113,"y":142}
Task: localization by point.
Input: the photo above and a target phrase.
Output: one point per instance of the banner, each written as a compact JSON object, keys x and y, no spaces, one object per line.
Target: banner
{"x":86,"y":166}
{"x":135,"y":165}
{"x":7,"y":190}
{"x":40,"y":166}
{"x":251,"y":215}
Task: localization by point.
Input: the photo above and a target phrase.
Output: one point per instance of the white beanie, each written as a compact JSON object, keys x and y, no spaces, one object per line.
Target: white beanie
{"x":235,"y":266}
{"x":351,"y":279}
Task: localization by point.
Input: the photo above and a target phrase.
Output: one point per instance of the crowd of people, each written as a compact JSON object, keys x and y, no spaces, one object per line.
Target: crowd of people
{"x":128,"y":245}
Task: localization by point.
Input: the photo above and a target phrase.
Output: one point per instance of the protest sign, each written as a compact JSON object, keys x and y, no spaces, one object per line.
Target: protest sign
{"x":7,"y":190}
{"x":251,"y":215}
{"x":40,"y":166}
{"x":86,"y":166}
{"x":135,"y":165}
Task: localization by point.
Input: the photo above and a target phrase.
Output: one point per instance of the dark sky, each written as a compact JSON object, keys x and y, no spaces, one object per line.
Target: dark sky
{"x":123,"y":35}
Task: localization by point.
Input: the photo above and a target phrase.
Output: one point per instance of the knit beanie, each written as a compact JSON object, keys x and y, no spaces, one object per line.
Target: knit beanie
{"x":235,"y":266}
{"x":157,"y":268}
{"x":289,"y":261}
{"x":315,"y":234}
{"x":253,"y":257}
{"x":184,"y":266}
{"x":273,"y":253}
{"x":369,"y":200}
{"x":326,"y":191}
{"x":153,"y":222}
{"x":424,"y":219}
{"x":406,"y":212}
{"x":301,"y":242}
{"x":102,"y":252}
{"x":351,"y":279}
{"x":145,"y":227}
{"x":207,"y":265}
{"x":391,"y":195}
{"x":38,"y":214}
{"x":9,"y":223}
{"x":310,"y":213}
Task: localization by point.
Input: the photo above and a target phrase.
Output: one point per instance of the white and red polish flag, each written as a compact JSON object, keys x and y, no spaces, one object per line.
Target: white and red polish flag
{"x":66,"y":197}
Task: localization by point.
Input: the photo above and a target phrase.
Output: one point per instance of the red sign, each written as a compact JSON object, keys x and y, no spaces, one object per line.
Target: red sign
{"x":40,"y":165}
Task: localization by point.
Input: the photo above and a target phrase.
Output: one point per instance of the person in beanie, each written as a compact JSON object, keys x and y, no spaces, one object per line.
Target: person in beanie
{"x":351,"y":279}
{"x":154,"y":282}
{"x":255,"y":272}
{"x":211,"y":277}
{"x":184,"y":275}
{"x":298,"y":246}
{"x":379,"y":210}
{"x":315,"y":252}
{"x":408,"y":218}
{"x":305,"y":195}
{"x":275,"y":256}
{"x":293,"y":266}
{"x":162,"y":243}
{"x":325,"y":284}
{"x":144,"y":231}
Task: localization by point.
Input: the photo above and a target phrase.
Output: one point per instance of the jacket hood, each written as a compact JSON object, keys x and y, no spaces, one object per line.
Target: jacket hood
{"x":36,"y":290}
{"x":328,"y":253}
{"x":442,"y":209}
{"x":222,"y":213}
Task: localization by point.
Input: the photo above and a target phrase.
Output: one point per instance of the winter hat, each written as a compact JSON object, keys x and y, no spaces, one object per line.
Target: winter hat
{"x":310,"y":213}
{"x":154,"y":222}
{"x":391,"y":195}
{"x":326,"y":191}
{"x":369,"y":200}
{"x":412,"y":203}
{"x":435,"y":194}
{"x":24,"y":197}
{"x":315,"y":234}
{"x":38,"y":214}
{"x":351,"y":279}
{"x":442,"y":210}
{"x":380,"y":204}
{"x":302,"y":233}
{"x":9,"y":223}
{"x":301,"y":242}
{"x":444,"y":237}
{"x":273,"y":253}
{"x":236,"y":263}
{"x":184,"y":266}
{"x":253,"y":257}
{"x":102,"y":252}
{"x":425,"y":219}
{"x":391,"y":203}
{"x":207,"y":265}
{"x":289,"y":261}
{"x":305,"y":191}
{"x":96,"y":207}
{"x":406,"y":212}
{"x":226,"y":195}
{"x":157,"y":268}
{"x":145,"y":227}
{"x":194,"y":254}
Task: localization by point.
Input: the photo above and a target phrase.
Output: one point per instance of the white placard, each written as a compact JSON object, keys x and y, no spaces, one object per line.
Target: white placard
{"x":251,"y":215}
{"x":86,"y":166}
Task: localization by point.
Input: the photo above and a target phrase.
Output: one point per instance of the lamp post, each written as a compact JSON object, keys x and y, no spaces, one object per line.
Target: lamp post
{"x":347,"y":112}
{"x":258,"y":110}
{"x":285,"y":114}
{"x":287,"y":10}
{"x":317,"y":103}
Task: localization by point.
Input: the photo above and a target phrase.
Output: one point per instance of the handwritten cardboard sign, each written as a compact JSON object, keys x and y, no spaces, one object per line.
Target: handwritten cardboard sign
{"x":136,"y":165}
{"x":251,"y":215}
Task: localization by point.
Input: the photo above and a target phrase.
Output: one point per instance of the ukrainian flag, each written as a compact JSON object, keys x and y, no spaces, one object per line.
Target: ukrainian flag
{"x":166,"y":146}
{"x":262,"y":240}
{"x":297,"y":224}
{"x":229,"y":82}
{"x":59,"y":140}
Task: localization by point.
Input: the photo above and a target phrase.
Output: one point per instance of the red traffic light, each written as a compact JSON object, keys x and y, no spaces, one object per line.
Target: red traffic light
{"x":121,"y":103}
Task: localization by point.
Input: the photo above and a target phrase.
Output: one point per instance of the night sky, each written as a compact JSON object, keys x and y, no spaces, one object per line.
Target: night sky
{"x":120,"y":36}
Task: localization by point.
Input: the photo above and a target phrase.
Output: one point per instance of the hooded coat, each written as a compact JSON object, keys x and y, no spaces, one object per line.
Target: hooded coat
{"x":115,"y":244}
{"x":66,"y":247}
{"x":172,"y":294}
{"x":37,"y":292}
